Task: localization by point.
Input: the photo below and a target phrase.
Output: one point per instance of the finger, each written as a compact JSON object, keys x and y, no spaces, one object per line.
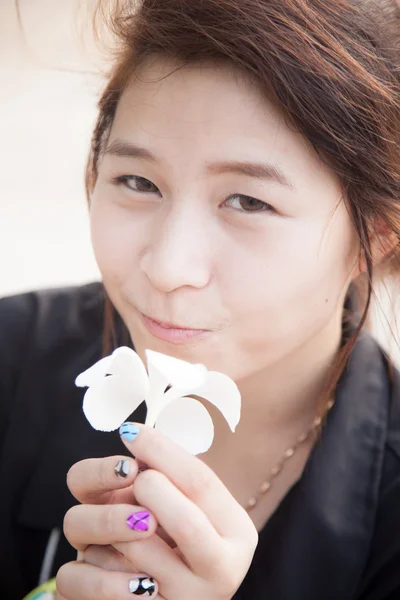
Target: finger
{"x":149,"y":555}
{"x":87,"y":524}
{"x":195,"y":536}
{"x":188,"y":473}
{"x":102,"y":480}
{"x":108,"y":558}
{"x":86,"y":582}
{"x":153,"y":555}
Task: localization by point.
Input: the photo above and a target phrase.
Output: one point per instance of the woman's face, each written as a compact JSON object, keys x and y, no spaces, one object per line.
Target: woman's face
{"x":211,"y":213}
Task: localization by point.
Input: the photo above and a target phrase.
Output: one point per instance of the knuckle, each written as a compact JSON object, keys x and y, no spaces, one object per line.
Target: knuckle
{"x":232,"y":564}
{"x":248,"y":537}
{"x":225,"y":572}
{"x":107,"y":523}
{"x":149,"y":476}
{"x":145,"y":481}
{"x":253,"y":539}
{"x":251,"y":536}
{"x":231,"y":583}
{"x":221,"y":568}
{"x":230,"y":578}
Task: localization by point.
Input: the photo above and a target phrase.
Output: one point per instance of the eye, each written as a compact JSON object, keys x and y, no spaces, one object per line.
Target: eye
{"x":138,"y":184}
{"x":248,"y":204}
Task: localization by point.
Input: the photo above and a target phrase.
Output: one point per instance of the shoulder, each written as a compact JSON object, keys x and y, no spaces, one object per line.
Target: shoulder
{"x":47,"y":338}
{"x":393,"y":438}
{"x":382,"y":573}
{"x":41,"y":333}
{"x":390,"y":477}
{"x":390,"y":481}
{"x":49,"y":313}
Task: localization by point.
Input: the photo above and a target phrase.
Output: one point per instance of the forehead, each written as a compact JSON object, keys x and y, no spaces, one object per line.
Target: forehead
{"x":210,"y":111}
{"x":202,"y":97}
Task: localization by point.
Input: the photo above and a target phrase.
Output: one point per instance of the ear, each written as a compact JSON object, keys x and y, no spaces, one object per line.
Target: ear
{"x":383,"y":242}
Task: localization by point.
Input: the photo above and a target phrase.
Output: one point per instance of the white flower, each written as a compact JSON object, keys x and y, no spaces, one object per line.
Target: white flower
{"x":119,"y":383}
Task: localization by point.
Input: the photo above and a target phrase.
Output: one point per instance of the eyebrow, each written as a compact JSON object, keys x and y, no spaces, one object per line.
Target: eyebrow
{"x":257,"y":170}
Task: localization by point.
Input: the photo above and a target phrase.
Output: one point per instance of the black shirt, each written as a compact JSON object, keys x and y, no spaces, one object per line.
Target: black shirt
{"x":336,"y":534}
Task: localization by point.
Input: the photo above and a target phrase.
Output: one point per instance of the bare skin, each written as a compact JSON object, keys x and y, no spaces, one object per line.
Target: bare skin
{"x":260,"y":264}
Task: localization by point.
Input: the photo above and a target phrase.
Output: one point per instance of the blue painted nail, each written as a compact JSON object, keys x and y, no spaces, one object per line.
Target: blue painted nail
{"x":129,"y":431}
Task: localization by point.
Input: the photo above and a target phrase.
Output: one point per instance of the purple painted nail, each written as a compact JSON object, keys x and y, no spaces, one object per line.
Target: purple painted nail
{"x":139,"y":521}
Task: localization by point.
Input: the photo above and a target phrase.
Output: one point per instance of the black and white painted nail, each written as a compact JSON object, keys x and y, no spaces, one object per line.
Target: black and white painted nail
{"x":143,"y":586}
{"x":122,"y":468}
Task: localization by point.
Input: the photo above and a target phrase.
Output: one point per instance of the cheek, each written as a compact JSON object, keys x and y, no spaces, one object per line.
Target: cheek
{"x":294,"y":281}
{"x":114,"y":241}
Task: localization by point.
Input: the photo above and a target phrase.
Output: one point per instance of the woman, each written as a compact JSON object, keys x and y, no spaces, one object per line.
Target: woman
{"x":244,"y":183}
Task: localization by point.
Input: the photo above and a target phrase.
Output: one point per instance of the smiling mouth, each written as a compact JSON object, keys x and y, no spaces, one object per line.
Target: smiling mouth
{"x":170,"y":332}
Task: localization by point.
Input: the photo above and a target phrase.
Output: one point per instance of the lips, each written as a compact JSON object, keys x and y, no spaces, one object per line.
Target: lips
{"x":171,"y":332}
{"x":166,"y":325}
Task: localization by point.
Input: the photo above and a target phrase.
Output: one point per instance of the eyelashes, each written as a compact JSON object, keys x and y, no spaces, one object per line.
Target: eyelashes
{"x":244,"y":203}
{"x":249,"y":204}
{"x":137,"y":184}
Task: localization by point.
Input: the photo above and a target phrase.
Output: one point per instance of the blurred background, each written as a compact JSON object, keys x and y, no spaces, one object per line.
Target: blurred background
{"x":48,"y":92}
{"x":50,"y":78}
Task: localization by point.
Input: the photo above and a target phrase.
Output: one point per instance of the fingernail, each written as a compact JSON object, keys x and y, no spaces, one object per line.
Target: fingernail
{"x":139,"y":521}
{"x":129,"y":431}
{"x":142,"y":586}
{"x":122,"y":469}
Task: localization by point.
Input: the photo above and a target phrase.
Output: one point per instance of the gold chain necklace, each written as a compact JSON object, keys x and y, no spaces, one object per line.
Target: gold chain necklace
{"x":266,"y":485}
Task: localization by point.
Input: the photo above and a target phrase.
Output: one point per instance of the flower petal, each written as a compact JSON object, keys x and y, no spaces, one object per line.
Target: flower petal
{"x":187,"y":423}
{"x":221,"y":391}
{"x":126,"y":364}
{"x":95,"y":373}
{"x":177,"y":372}
{"x":108,"y":403}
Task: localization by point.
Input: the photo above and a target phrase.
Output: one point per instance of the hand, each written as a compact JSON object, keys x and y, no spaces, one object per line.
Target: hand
{"x":214,"y":535}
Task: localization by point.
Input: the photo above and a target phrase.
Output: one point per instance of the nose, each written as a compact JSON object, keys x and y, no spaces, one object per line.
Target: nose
{"x":178,"y":253}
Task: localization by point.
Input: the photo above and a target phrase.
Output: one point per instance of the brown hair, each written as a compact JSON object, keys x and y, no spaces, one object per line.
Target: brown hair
{"x":333,"y":66}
